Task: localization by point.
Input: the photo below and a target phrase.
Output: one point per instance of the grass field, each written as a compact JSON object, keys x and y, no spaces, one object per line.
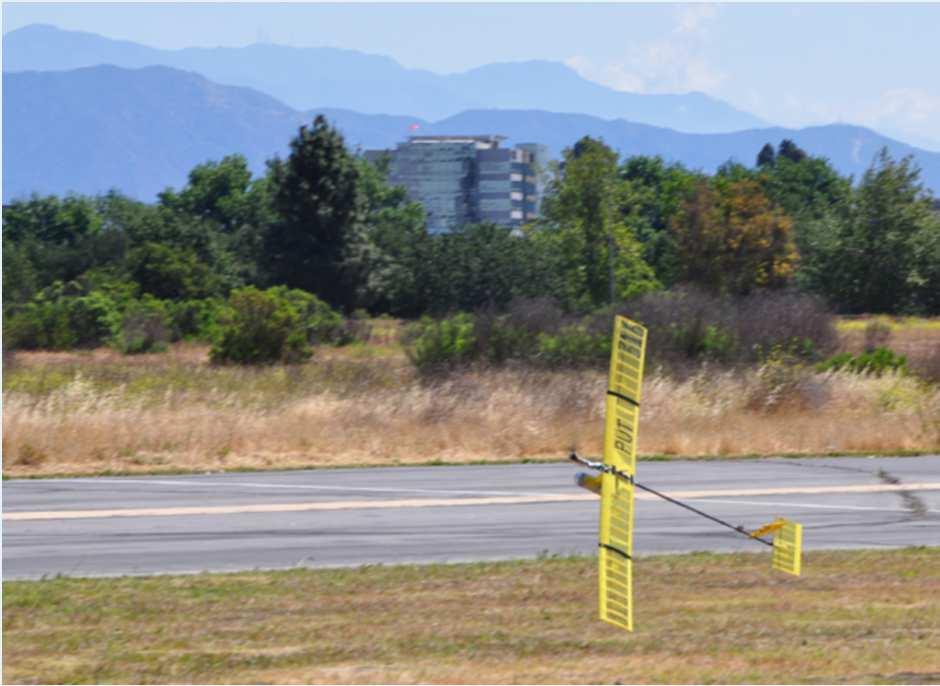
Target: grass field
{"x":100,"y":412}
{"x":853,"y":617}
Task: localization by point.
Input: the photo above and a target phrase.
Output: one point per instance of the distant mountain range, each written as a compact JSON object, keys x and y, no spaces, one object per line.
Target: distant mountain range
{"x":849,"y":148}
{"x":140,"y":130}
{"x":94,"y":129}
{"x":306,"y":78}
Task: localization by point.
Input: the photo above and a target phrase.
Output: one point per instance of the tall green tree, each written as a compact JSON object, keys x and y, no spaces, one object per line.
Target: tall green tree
{"x":923,"y":279}
{"x":807,"y":189}
{"x":878,"y":252}
{"x":217,"y":192}
{"x":392,"y":250}
{"x":483,"y":265}
{"x":652,"y":194}
{"x":234,"y":209}
{"x":316,"y":200}
{"x":597,"y":253}
{"x":790,"y":150}
{"x":171,"y":273}
{"x":766,"y":156}
{"x":811,"y":192}
{"x":51,"y":239}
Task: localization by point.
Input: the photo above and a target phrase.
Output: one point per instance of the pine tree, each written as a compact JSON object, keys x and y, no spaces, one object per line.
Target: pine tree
{"x":766,"y":156}
{"x":791,"y":151}
{"x":316,"y":198}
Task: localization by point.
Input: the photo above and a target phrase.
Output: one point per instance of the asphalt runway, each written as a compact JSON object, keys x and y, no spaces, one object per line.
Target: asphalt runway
{"x":327,"y":518}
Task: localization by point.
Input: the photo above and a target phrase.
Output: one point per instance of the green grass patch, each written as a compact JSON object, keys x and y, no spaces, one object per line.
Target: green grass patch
{"x":853,"y":617}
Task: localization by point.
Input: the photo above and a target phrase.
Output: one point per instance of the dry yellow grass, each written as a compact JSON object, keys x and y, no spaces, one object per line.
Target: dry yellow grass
{"x":99,"y":412}
{"x":916,"y":338}
{"x":859,"y":322}
{"x":853,"y":617}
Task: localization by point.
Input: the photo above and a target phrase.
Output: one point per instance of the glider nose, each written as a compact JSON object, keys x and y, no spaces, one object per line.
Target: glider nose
{"x":589,"y":482}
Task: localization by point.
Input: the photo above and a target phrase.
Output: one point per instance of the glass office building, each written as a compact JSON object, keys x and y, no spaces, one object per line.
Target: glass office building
{"x":469,"y":179}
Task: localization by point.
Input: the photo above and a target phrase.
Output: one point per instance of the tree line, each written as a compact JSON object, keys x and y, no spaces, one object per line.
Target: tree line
{"x":324,"y":222}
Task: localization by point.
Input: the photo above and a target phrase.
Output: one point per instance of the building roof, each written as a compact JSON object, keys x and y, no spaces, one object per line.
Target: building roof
{"x":492,"y":139}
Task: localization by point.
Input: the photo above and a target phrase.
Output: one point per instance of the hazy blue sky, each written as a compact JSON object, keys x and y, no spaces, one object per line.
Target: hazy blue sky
{"x":793,"y":64}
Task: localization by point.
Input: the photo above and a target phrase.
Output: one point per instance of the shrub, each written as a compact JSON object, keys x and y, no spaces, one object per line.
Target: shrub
{"x":574,"y":346}
{"x":684,"y":324}
{"x":875,"y":362}
{"x":835,"y":363}
{"x":36,"y":325}
{"x":144,"y":327}
{"x":535,"y":331}
{"x":500,"y":339}
{"x":500,"y":336}
{"x":435,"y":344}
{"x":92,"y":318}
{"x":798,"y":322}
{"x":55,"y":321}
{"x":195,"y":319}
{"x":718,"y":343}
{"x":276,"y":325}
{"x":518,"y":332}
{"x":677,"y":321}
{"x":262,"y":327}
{"x":689,"y":324}
{"x":322,"y":323}
{"x":538,"y":314}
